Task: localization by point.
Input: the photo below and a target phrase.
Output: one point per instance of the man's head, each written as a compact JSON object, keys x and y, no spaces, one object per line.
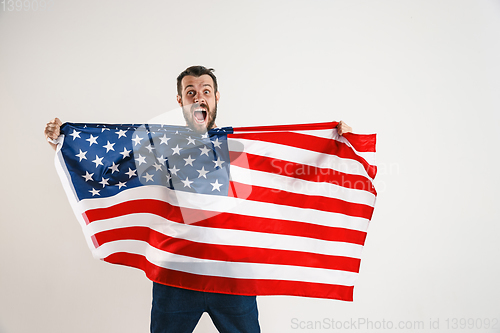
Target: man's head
{"x":198,"y":95}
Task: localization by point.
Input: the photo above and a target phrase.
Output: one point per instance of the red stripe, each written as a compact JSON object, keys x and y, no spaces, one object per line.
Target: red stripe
{"x":312,"y":143}
{"x":231,"y":285}
{"x":228,"y":221}
{"x":301,"y":171}
{"x":230,"y":253}
{"x":295,"y":127}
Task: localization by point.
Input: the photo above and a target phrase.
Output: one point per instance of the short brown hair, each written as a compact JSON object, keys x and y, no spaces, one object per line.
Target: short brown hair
{"x":196,"y":71}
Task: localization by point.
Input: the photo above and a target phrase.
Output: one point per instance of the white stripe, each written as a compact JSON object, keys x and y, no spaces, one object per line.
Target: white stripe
{"x":300,"y":186}
{"x":226,"y":236}
{"x":298,"y":155}
{"x":221,"y":204}
{"x":227,"y":269}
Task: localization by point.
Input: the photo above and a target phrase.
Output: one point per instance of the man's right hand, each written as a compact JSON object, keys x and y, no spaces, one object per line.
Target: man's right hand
{"x":52,"y":131}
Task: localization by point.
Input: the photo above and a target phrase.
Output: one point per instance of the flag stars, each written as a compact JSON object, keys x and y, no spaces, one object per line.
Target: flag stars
{"x":148,"y":177}
{"x":202,"y":172}
{"x":204,"y":150}
{"x":187,"y":182}
{"x":98,"y":161}
{"x":141,"y":159}
{"x":92,"y":139}
{"x":104,"y":182}
{"x":109,"y":147}
{"x":75,"y":134}
{"x":161,"y":159}
{"x":157,"y":166}
{"x":173,"y":170}
{"x":131,"y":173}
{"x":150,"y":148}
{"x":216,"y":185}
{"x":189,"y":160}
{"x":218,"y":163}
{"x":137,"y":140}
{"x":164,"y":140}
{"x":125,"y":152}
{"x":121,"y":133}
{"x":121,"y":184}
{"x":190,"y":140}
{"x":176,"y":150}
{"x":216,"y":143}
{"x":87,"y":176}
{"x":81,"y":155}
{"x":114,"y":168}
{"x":94,"y":192}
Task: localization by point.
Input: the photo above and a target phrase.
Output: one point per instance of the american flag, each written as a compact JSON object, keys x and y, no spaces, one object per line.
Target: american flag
{"x":269,"y":210}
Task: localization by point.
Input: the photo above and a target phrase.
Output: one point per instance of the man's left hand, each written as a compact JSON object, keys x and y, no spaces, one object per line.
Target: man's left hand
{"x":343,"y":128}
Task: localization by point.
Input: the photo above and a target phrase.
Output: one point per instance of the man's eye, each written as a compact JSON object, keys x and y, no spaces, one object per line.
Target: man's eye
{"x":190,"y":92}
{"x":207,"y":91}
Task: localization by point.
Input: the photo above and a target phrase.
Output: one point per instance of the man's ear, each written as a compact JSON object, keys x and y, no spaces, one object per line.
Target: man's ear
{"x":179,"y":100}
{"x":217,"y":96}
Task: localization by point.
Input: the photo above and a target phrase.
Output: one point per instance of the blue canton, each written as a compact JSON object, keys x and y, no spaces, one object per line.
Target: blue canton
{"x":104,"y":160}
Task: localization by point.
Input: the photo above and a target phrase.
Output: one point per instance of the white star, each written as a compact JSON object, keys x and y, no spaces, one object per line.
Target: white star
{"x":87,"y":176}
{"x":157,"y":166}
{"x":81,"y":155}
{"x":148,"y":177}
{"x":217,"y":143}
{"x":114,"y":168}
{"x":168,"y":177}
{"x":204,"y":136}
{"x":191,"y":141}
{"x":204,"y":150}
{"x":162,"y":160}
{"x":141,"y":159}
{"x":104,"y":129}
{"x":104,"y":182}
{"x":125,"y":152}
{"x":173,"y":170}
{"x":94,"y":192}
{"x":164,"y":139}
{"x":216,"y":185}
{"x":176,"y":150}
{"x":109,"y":147}
{"x":150,"y":148}
{"x":98,"y":161}
{"x":202,"y":172}
{"x":92,"y":139}
{"x":120,"y":185}
{"x":218,"y":163}
{"x":130,"y":173}
{"x":137,"y":140}
{"x":121,"y":133}
{"x":187,"y":182}
{"x":75,"y":134}
{"x":189,"y":160}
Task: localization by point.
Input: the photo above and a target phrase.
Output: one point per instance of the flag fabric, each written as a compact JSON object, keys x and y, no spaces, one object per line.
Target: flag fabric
{"x":265,"y":210}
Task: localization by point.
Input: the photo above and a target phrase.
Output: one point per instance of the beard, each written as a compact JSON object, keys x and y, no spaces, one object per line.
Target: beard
{"x":208,"y":117}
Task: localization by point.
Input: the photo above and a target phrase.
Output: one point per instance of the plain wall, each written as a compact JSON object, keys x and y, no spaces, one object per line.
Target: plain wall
{"x":423,"y":75}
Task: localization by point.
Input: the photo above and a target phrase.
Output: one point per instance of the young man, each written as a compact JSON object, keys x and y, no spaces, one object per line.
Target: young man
{"x":175,"y":309}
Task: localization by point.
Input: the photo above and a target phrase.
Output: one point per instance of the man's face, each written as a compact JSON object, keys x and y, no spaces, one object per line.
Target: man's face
{"x":199,"y":102}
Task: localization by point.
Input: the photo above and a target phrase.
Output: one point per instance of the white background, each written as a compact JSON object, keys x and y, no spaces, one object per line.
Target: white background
{"x":423,"y":75}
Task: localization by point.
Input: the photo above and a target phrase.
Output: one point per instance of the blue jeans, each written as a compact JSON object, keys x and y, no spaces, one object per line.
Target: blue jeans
{"x":179,"y":310}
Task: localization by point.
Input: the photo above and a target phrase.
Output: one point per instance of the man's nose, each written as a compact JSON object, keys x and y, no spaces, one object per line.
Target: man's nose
{"x":199,"y":98}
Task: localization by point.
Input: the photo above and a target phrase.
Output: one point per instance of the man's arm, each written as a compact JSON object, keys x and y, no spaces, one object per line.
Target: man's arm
{"x":52,"y":131}
{"x":342,"y":128}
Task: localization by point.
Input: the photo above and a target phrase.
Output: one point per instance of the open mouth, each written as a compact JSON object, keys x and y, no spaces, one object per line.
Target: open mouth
{"x":200,"y":115}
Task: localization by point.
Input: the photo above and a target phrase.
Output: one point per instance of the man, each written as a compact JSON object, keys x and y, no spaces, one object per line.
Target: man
{"x":175,"y":309}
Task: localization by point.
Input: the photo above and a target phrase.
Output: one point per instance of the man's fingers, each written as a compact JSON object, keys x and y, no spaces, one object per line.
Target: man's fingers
{"x":52,"y":129}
